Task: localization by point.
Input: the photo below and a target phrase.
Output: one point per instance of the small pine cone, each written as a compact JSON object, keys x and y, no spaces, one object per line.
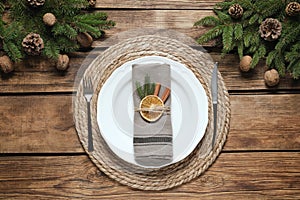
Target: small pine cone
{"x":33,"y":44}
{"x":236,"y":11}
{"x":270,"y":29}
{"x":292,"y":9}
{"x":36,"y":3}
{"x":85,"y":40}
{"x":62,"y":62}
{"x":6,"y":64}
{"x":92,"y":3}
{"x":271,"y":77}
{"x":49,"y":19}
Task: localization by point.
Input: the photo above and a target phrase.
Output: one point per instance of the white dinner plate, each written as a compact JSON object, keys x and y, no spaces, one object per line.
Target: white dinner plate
{"x":189,"y":108}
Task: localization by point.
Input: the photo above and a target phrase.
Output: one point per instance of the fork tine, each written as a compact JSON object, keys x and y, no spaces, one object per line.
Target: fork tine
{"x":90,"y":84}
{"x":84,"y":83}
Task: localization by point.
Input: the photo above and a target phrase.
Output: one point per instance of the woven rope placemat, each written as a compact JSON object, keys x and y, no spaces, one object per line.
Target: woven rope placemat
{"x":175,"y":174}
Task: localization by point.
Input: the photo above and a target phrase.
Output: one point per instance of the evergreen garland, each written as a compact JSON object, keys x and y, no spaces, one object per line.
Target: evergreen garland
{"x":242,"y":35}
{"x":72,"y":18}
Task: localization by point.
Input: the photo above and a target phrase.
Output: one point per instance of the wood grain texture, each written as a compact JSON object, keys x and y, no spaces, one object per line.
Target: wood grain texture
{"x":157,"y":4}
{"x":44,"y":124}
{"x":37,"y":124}
{"x":38,"y":75}
{"x":179,"y":20}
{"x":270,"y":121}
{"x":232,"y":176}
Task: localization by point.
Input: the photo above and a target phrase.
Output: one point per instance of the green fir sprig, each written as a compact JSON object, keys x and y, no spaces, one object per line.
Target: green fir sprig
{"x":242,"y":35}
{"x":146,"y":89}
{"x":72,"y":18}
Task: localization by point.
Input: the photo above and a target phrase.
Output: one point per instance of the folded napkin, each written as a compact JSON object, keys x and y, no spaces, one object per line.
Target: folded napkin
{"x":152,"y":141}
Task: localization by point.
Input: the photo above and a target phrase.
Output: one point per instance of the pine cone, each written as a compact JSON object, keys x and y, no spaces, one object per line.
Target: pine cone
{"x":292,"y":9}
{"x":270,"y":29}
{"x":236,"y":11}
{"x":33,"y":44}
{"x":92,"y":3}
{"x":36,"y":3}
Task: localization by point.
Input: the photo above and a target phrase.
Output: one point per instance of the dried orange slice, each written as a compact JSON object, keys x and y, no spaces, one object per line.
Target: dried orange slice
{"x":151,"y":108}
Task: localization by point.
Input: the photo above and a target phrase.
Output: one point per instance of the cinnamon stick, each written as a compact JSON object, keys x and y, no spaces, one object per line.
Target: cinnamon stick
{"x":166,"y":94}
{"x":157,"y":88}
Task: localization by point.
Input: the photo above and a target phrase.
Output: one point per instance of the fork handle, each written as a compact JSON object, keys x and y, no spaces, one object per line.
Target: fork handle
{"x":90,"y":133}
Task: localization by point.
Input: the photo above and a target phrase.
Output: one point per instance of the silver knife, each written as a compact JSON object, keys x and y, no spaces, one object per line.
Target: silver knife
{"x":214,"y":91}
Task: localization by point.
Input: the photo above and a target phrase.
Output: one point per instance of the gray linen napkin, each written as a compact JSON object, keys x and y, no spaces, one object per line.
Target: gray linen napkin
{"x":153,"y":141}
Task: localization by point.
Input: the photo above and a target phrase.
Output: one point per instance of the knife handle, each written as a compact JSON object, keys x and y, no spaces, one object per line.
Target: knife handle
{"x":215,"y":110}
{"x":90,"y":131}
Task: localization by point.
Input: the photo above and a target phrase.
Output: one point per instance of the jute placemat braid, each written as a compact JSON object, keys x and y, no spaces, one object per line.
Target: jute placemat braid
{"x":175,"y":174}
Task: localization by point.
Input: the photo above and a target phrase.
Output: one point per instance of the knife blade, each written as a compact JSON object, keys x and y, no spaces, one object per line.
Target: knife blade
{"x":214,"y":91}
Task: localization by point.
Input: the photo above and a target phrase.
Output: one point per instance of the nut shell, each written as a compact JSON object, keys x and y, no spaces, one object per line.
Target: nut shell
{"x":245,"y":63}
{"x":271,"y":77}
{"x":49,"y":19}
{"x":62,"y":62}
{"x":6,"y":64}
{"x":85,"y":40}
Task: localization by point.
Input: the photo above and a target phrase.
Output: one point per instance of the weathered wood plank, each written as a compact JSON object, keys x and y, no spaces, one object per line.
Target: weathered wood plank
{"x":41,"y":76}
{"x":232,"y":176}
{"x":179,"y":20}
{"x":270,"y":121}
{"x":37,"y":124}
{"x":44,"y":124}
{"x":157,"y":4}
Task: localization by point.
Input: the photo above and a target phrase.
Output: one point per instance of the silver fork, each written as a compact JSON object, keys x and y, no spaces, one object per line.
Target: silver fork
{"x":88,"y":93}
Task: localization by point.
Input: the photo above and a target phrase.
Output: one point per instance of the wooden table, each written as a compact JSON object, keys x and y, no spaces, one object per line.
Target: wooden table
{"x":41,"y":156}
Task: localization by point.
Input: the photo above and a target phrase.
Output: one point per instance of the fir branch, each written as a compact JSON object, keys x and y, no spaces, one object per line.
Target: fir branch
{"x":247,"y":14}
{"x":12,"y":51}
{"x":246,"y":4}
{"x":240,"y":49}
{"x":273,"y":6}
{"x":253,"y":19}
{"x":270,"y":58}
{"x":294,"y":69}
{"x":242,"y":34}
{"x":66,"y":45}
{"x":288,"y":36}
{"x":211,"y":34}
{"x":260,"y":53}
{"x":51,"y":49}
{"x":294,"y":54}
{"x":238,"y":31}
{"x":227,"y":37}
{"x":64,"y":30}
{"x":92,"y":18}
{"x":223,"y":17}
{"x":71,"y":20}
{"x":279,"y":64}
{"x":293,"y":57}
{"x":2,"y":7}
{"x":83,"y":27}
{"x":208,"y":21}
